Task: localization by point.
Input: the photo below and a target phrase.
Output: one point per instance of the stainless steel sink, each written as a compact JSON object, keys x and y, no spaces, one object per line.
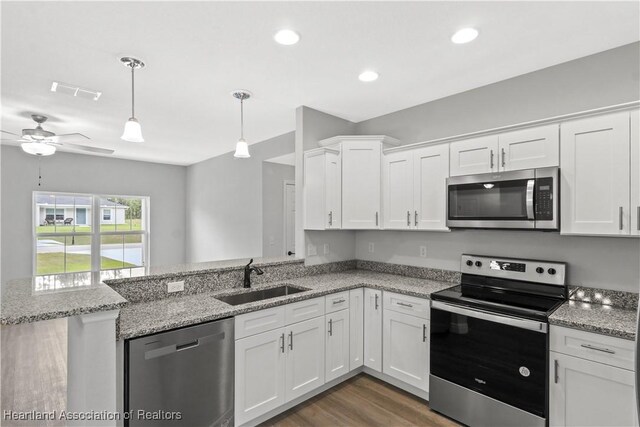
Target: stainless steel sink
{"x":259,"y":295}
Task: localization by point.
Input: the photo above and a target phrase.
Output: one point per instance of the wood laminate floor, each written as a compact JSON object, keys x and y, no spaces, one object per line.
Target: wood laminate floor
{"x":361,"y":401}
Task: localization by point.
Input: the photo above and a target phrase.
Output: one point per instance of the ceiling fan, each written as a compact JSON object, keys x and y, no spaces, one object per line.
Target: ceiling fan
{"x":41,"y":142}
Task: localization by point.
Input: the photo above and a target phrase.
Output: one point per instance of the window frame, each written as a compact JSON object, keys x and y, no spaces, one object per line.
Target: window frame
{"x":95,"y":234}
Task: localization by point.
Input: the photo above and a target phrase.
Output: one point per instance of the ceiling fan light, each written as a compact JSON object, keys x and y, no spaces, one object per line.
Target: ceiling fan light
{"x":38,"y":148}
{"x":132,"y":131}
{"x":242,"y":149}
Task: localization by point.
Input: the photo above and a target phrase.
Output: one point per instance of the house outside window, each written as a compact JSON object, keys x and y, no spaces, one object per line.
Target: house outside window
{"x":67,"y":240}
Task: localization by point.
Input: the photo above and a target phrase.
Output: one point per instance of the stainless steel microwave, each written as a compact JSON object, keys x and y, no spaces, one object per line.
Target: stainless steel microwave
{"x":525,"y":199}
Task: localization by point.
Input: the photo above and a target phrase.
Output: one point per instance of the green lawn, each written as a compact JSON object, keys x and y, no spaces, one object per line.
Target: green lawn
{"x":53,"y":263}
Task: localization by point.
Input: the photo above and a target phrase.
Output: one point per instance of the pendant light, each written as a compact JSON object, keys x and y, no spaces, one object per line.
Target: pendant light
{"x":132,"y":130}
{"x":242,"y":148}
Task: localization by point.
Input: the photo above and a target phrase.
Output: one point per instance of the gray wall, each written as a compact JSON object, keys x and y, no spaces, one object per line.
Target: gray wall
{"x":273,"y":177}
{"x":224,"y":199}
{"x":66,"y":172}
{"x":312,"y":126}
{"x":607,"y":78}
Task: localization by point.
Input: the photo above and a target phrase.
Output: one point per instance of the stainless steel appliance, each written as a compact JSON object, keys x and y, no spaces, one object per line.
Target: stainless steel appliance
{"x":489,"y":341}
{"x":188,"y":371}
{"x":526,"y":199}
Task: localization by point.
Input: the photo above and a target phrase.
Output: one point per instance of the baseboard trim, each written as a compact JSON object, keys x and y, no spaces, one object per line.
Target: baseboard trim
{"x":397,"y":383}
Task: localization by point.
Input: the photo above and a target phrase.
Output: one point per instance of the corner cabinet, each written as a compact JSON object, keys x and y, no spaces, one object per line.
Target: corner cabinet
{"x":322,"y":189}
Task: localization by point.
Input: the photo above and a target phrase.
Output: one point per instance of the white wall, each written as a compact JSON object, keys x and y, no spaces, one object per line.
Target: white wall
{"x":311,"y":127}
{"x":224,"y":199}
{"x":273,"y":177}
{"x":66,"y":172}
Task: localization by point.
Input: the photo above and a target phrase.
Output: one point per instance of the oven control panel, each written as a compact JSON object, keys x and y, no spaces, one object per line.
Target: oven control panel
{"x":547,"y":272}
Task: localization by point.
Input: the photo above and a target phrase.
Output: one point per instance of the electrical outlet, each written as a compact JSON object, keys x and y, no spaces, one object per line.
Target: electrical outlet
{"x":372,"y":247}
{"x":326,"y":249}
{"x":312,"y":250}
{"x":175,"y":286}
{"x":423,"y":251}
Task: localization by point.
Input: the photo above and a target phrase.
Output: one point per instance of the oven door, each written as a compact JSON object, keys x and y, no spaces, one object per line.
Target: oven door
{"x":498,"y":356}
{"x":492,"y":200}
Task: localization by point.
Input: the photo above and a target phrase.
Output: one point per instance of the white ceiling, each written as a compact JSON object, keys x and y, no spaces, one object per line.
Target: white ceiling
{"x":198,"y":52}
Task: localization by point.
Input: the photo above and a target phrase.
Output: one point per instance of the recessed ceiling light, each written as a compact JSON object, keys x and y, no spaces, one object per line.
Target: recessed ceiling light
{"x":464,"y":35}
{"x":287,"y":37}
{"x":368,"y":76}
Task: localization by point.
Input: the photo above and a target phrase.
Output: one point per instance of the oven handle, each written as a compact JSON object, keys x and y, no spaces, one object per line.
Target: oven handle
{"x":530,"y":185}
{"x":532,"y":325}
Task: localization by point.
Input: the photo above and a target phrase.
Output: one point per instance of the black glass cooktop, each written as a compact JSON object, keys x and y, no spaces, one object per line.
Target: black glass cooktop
{"x":522,"y":299}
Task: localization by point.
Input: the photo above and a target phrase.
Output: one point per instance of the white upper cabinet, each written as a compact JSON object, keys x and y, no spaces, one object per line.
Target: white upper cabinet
{"x":430,"y":173}
{"x":361,"y":184}
{"x":531,"y":148}
{"x":595,"y":169}
{"x":635,"y":172}
{"x":397,"y":187}
{"x":476,"y":155}
{"x":322,"y":189}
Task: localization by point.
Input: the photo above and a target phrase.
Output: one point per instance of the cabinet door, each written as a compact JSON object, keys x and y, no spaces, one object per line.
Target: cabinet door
{"x":337,"y":347}
{"x":595,"y":175}
{"x":635,"y":172}
{"x":333,"y":190}
{"x":356,"y":328}
{"x":315,"y":214}
{"x":430,"y":173}
{"x":373,"y":329}
{"x":305,"y":357}
{"x":397,"y":190}
{"x":477,"y":155}
{"x":586,"y":393}
{"x":406,"y":349}
{"x":361,"y":185}
{"x":530,"y":148}
{"x":259,"y":374}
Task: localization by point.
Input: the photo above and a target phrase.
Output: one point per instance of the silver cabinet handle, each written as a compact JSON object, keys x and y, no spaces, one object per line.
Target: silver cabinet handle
{"x":592,"y":347}
{"x":555,"y":371}
{"x":330,"y":217}
{"x":404,"y":304}
{"x":339,"y":301}
{"x":408,"y":219}
{"x":330,"y":327}
{"x":376,"y":302}
{"x":424,"y":333}
{"x":282,"y":342}
{"x":620,"y":214}
{"x":491,"y":165}
{"x":291,"y":340}
{"x":503,"y":156}
{"x":416,"y":219}
{"x":638,"y":218}
{"x":376,"y":218}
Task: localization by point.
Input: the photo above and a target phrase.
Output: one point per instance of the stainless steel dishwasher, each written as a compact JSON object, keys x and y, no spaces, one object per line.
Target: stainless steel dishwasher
{"x":182,"y":377}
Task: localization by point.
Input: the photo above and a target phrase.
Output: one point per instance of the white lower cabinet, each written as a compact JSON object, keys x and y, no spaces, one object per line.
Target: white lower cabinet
{"x":406,"y":348}
{"x":305,"y":357}
{"x":337,"y":355}
{"x":356,"y":328}
{"x":373,"y":329}
{"x":586,"y":393}
{"x":260,"y":374}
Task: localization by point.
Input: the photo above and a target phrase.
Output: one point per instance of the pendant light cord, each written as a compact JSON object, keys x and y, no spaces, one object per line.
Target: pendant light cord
{"x":133,"y":67}
{"x":242,"y":118}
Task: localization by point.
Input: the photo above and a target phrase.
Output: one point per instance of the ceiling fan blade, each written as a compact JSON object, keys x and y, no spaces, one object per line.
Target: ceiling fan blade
{"x":14,"y":140}
{"x":10,"y":133}
{"x":68,"y":137}
{"x":90,"y":149}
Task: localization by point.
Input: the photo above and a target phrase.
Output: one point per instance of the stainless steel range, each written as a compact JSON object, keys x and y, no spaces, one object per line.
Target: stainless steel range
{"x":489,"y":341}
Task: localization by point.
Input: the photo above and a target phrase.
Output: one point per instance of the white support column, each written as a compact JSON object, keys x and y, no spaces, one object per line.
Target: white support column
{"x":91,"y":365}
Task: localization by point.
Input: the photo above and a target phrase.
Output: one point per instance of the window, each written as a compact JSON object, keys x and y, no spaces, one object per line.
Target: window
{"x":66,"y":240}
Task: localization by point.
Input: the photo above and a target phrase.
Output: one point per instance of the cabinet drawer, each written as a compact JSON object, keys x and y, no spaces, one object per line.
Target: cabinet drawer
{"x":304,"y":310}
{"x":406,"y":304}
{"x":259,"y":321}
{"x":335,"y":302}
{"x":596,"y":347}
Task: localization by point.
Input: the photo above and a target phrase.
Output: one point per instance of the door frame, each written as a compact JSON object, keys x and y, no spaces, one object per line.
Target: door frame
{"x":284,"y":214}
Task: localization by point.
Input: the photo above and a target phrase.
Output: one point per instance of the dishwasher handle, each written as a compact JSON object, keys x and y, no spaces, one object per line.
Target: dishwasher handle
{"x":174,"y":348}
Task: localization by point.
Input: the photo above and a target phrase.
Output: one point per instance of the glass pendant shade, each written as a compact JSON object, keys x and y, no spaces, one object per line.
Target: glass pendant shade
{"x":132,"y":131}
{"x":38,"y":148}
{"x":242,"y":149}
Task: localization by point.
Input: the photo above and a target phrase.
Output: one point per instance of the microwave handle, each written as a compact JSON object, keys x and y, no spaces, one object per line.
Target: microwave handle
{"x":530,"y":186}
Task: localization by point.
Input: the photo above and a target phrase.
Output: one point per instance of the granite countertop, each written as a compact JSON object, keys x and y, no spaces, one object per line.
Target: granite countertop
{"x":50,"y":297}
{"x":586,"y":311}
{"x":160,"y":315}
